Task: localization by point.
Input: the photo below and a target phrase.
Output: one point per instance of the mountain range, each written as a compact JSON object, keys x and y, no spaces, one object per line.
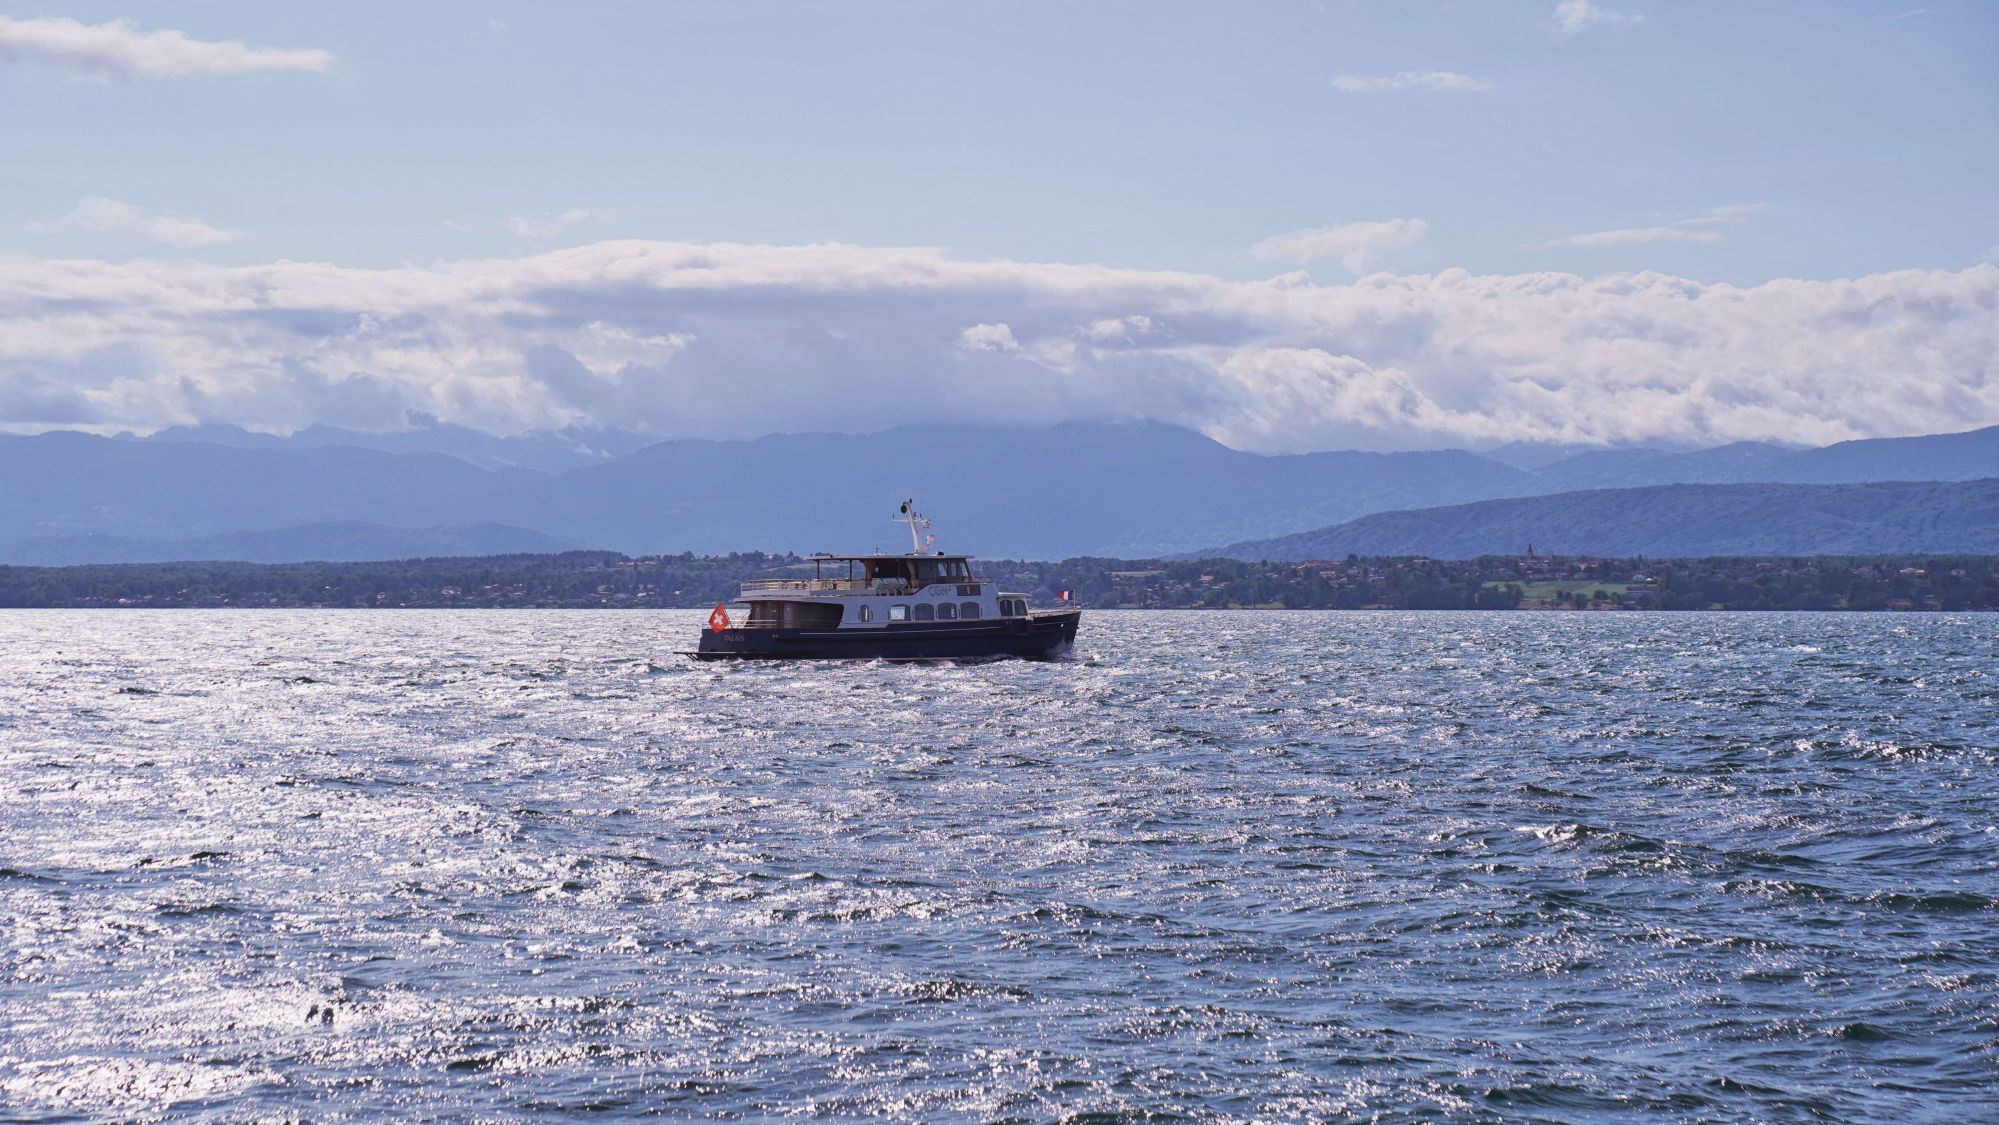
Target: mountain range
{"x":551,"y":451}
{"x":1115,"y":489}
{"x":341,"y":541}
{"x":1683,"y":520}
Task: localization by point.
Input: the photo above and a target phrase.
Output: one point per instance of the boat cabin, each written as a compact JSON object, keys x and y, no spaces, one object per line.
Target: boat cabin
{"x":873,"y":591}
{"x":919,"y":605}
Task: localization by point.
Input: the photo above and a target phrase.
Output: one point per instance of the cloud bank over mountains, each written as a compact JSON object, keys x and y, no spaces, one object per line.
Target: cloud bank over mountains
{"x":742,"y":340}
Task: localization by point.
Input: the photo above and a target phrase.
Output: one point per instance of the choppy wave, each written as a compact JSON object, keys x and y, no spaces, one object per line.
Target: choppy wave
{"x":1223,"y":865}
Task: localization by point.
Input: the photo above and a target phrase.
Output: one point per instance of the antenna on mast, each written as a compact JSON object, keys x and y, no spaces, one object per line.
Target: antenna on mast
{"x":918,"y":541}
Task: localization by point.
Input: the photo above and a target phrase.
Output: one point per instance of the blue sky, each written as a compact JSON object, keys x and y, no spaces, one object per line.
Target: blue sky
{"x":1168,"y":136}
{"x":169,"y":152}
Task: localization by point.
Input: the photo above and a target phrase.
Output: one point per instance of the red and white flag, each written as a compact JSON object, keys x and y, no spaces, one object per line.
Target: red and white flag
{"x":1063,"y":596}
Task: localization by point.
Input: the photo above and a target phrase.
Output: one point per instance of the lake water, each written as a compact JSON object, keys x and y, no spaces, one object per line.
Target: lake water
{"x":1224,"y":865}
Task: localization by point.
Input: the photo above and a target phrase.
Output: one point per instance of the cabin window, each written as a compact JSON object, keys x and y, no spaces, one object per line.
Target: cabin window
{"x":898,"y":613}
{"x":969,"y":611}
{"x":892,"y":570}
{"x":867,"y":614}
{"x":924,"y":612}
{"x":947,"y":612}
{"x":793,"y":615}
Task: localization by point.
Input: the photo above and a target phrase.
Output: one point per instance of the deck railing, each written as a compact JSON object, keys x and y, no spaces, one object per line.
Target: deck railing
{"x":821,"y":585}
{"x":885,"y":586}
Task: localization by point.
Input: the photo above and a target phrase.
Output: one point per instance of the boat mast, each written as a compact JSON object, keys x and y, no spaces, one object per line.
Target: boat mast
{"x":917,"y":544}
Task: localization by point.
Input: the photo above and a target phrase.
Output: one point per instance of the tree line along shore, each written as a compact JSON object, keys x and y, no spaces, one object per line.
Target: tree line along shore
{"x":594,"y":579}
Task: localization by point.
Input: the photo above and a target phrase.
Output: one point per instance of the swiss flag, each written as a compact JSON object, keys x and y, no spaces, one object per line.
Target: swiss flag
{"x":718,"y":620}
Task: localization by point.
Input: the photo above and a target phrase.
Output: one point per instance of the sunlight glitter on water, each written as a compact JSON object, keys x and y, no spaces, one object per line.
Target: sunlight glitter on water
{"x":1279,"y":866}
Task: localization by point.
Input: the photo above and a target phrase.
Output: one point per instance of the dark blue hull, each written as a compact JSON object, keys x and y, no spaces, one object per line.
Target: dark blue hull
{"x":1039,"y":636}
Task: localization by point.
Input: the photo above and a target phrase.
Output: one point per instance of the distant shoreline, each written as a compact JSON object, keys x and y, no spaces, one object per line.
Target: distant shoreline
{"x":472,"y":609}
{"x":607,"y":580}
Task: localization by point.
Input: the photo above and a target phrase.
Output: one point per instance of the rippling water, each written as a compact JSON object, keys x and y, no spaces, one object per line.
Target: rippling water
{"x":1243,"y":865}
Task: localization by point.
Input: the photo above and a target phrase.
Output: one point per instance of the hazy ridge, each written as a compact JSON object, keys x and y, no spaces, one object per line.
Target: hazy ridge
{"x":345,"y":541}
{"x":1674,"y":520}
{"x":1129,"y":490}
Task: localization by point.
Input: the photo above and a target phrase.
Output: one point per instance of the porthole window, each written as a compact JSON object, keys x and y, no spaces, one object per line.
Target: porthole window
{"x":898,"y":613}
{"x":867,"y":614}
{"x":946,"y":611}
{"x":924,"y":612}
{"x":969,"y":611}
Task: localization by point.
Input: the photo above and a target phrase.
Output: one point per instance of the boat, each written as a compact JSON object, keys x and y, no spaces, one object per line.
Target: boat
{"x":924,"y":605}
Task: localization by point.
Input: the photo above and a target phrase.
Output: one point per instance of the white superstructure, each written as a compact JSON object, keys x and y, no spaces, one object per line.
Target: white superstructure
{"x":880,"y":590}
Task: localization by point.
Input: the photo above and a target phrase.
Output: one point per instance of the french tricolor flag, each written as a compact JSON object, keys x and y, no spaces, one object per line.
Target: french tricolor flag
{"x":1063,"y":596}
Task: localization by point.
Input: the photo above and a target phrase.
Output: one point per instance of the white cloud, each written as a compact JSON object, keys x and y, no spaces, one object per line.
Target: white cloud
{"x":988,"y":338}
{"x":1697,"y":228}
{"x":1440,"y":80}
{"x":1630,"y":236}
{"x":119,"y":48}
{"x":545,"y":227}
{"x":1356,"y":245}
{"x":1726,"y":213}
{"x":736,"y":341}
{"x":1573,"y":17}
{"x":95,"y":213}
{"x":1119,"y":329}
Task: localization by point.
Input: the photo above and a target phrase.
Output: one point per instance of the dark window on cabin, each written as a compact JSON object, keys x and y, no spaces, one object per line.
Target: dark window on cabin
{"x":793,"y":615}
{"x":969,"y":611}
{"x":947,"y":612}
{"x":923,"y":612}
{"x":867,"y":614}
{"x":811,"y":615}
